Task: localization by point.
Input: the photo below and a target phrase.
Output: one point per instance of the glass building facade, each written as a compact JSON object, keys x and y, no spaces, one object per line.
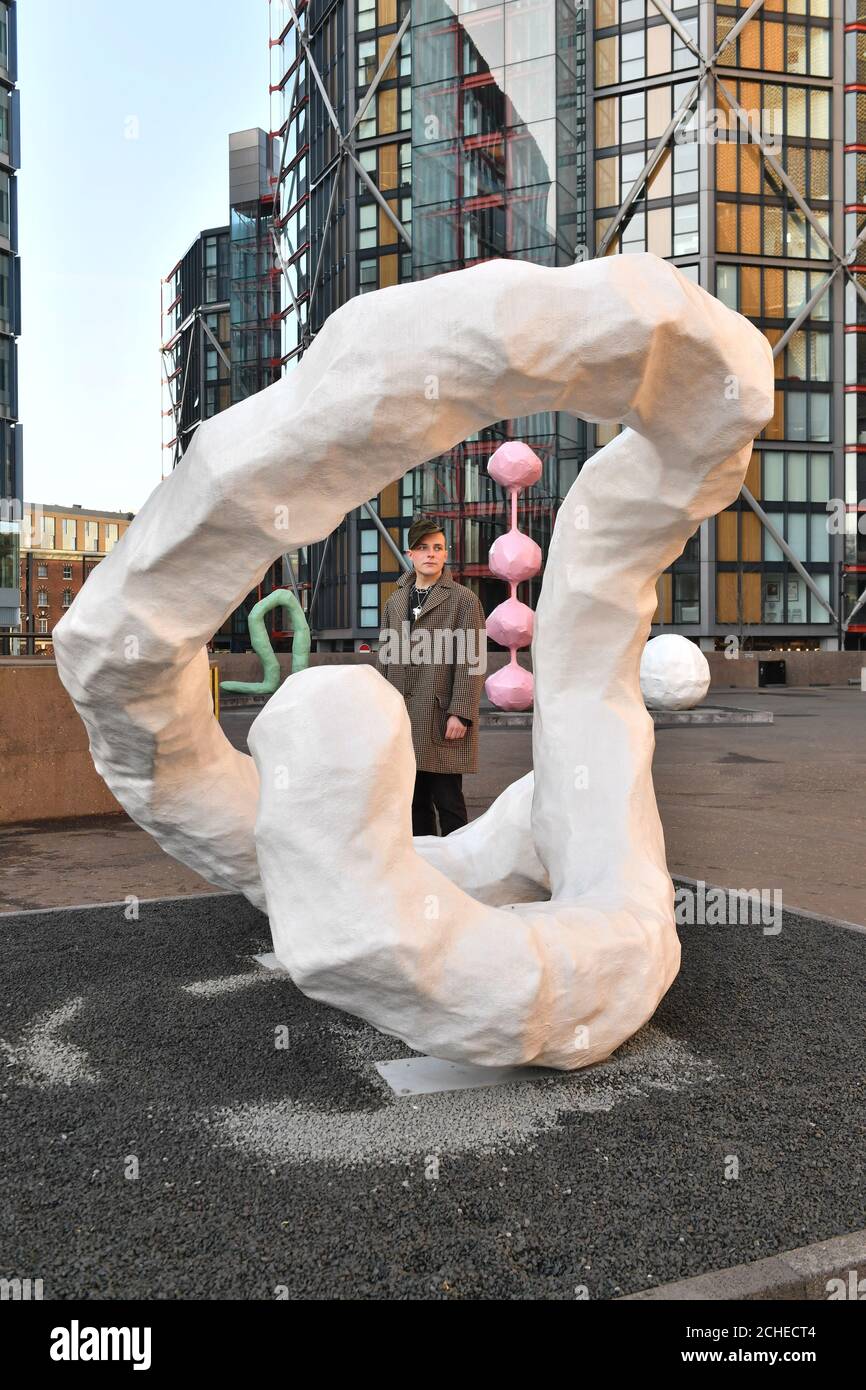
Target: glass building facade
{"x":747,"y":194}
{"x":196,"y":340}
{"x":465,"y":131}
{"x":415,"y":141}
{"x":11,"y":463}
{"x":220,"y":328}
{"x":854,"y":571}
{"x":494,"y":174}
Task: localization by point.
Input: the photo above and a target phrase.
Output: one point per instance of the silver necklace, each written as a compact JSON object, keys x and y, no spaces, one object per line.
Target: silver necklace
{"x":420,"y":607}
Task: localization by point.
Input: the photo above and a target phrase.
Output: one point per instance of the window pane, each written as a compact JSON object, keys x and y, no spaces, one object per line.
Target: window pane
{"x":796,"y":534}
{"x":796,"y":594}
{"x":772,"y":551}
{"x":796,"y":477}
{"x":819,"y":417}
{"x":774,"y":476}
{"x":726,"y":285}
{"x":796,"y":415}
{"x":820,"y":539}
{"x":820,"y":111}
{"x":820,"y":477}
{"x":819,"y":613}
{"x":686,"y":229}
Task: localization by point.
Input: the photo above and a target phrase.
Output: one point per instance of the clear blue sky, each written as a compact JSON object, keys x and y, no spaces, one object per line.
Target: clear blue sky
{"x":103,"y":217}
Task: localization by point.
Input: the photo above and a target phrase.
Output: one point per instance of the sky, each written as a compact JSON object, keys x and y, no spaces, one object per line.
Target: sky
{"x":125,"y":117}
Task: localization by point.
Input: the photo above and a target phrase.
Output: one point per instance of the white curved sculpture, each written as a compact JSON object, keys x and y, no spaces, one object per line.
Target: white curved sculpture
{"x":674,"y":673}
{"x":418,"y":937}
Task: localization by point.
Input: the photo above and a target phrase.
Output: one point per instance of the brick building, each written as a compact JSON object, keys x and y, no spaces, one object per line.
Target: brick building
{"x":59,"y":547}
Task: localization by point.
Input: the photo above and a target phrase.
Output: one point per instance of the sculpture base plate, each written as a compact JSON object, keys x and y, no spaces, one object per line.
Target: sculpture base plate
{"x":422,"y":1076}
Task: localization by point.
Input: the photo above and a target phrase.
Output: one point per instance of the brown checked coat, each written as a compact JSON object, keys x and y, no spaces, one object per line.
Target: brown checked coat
{"x":437,"y":686}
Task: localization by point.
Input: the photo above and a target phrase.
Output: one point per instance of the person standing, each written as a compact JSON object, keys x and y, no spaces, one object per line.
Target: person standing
{"x":440,"y":675}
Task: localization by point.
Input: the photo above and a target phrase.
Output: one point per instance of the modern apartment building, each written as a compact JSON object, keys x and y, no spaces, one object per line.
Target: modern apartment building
{"x":718,"y":138}
{"x":59,"y":547}
{"x":220,"y":326}
{"x":416,"y":140}
{"x":11,"y":466}
{"x":728,"y":138}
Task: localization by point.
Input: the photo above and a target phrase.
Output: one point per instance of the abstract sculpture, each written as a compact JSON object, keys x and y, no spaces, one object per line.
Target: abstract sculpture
{"x":542,"y":932}
{"x":261,"y":644}
{"x":674,"y":673}
{"x":513,"y":557}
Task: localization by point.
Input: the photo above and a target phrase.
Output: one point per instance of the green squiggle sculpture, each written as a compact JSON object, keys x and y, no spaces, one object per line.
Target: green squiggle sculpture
{"x":280,"y":598}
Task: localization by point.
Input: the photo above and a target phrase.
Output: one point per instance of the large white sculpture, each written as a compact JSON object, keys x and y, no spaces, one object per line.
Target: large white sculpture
{"x":674,"y":673}
{"x":543,"y":932}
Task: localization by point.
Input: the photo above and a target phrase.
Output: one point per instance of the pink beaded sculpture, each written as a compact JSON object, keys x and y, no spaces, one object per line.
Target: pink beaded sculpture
{"x":513,"y":557}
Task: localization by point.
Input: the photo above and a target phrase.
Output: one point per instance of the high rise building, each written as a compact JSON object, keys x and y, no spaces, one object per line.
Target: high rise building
{"x":718,"y":140}
{"x":854,"y":289}
{"x":415,"y":141}
{"x":11,"y":466}
{"x":727,"y":138}
{"x":220,"y":328}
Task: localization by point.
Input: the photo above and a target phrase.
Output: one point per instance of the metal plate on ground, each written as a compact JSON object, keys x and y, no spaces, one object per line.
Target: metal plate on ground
{"x":269,"y":961}
{"x":422,"y":1076}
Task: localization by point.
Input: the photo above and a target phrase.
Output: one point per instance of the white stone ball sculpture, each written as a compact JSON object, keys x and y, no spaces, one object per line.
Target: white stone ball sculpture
{"x":674,"y":673}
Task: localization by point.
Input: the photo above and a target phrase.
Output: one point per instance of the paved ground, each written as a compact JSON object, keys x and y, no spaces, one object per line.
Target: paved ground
{"x":157,"y":1142}
{"x":773,"y":806}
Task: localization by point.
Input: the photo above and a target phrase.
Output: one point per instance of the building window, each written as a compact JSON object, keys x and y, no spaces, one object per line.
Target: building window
{"x":683,"y":56}
{"x":6,"y":293}
{"x":369,"y":605}
{"x":6,"y":360}
{"x":367,"y":219}
{"x":633,"y":122}
{"x":91,"y":536}
{"x":686,"y":240}
{"x":69,"y":532}
{"x":369,"y":549}
{"x":634,"y":234}
{"x":367,"y":62}
{"x":67,"y":597}
{"x":41,"y":570}
{"x":48,"y":532}
{"x":110,"y":535}
{"x":632,"y":51}
{"x":41,"y":624}
{"x":42,"y":598}
{"x":4,"y":120}
{"x":686,"y":168}
{"x":67,"y":571}
{"x":686,"y":597}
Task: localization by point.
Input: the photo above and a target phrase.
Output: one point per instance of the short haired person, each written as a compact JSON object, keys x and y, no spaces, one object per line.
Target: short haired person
{"x":442,"y":686}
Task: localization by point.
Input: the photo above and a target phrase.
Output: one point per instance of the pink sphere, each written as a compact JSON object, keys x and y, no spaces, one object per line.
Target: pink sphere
{"x":510,"y":688}
{"x":515,"y":465}
{"x":511,"y":624}
{"x":514,"y":557}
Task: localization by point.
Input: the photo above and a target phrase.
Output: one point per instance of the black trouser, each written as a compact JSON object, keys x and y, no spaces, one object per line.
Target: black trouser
{"x":444,"y":792}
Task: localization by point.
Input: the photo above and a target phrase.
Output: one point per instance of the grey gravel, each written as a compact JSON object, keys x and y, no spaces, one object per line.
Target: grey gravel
{"x":264,"y":1169}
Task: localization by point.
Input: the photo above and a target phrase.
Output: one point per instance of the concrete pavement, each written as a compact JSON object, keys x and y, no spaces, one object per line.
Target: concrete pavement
{"x":774,"y":806}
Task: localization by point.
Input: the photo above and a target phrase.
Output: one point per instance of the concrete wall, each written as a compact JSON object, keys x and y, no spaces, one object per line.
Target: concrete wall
{"x":801,"y":668}
{"x":46,"y":771}
{"x":245,"y":666}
